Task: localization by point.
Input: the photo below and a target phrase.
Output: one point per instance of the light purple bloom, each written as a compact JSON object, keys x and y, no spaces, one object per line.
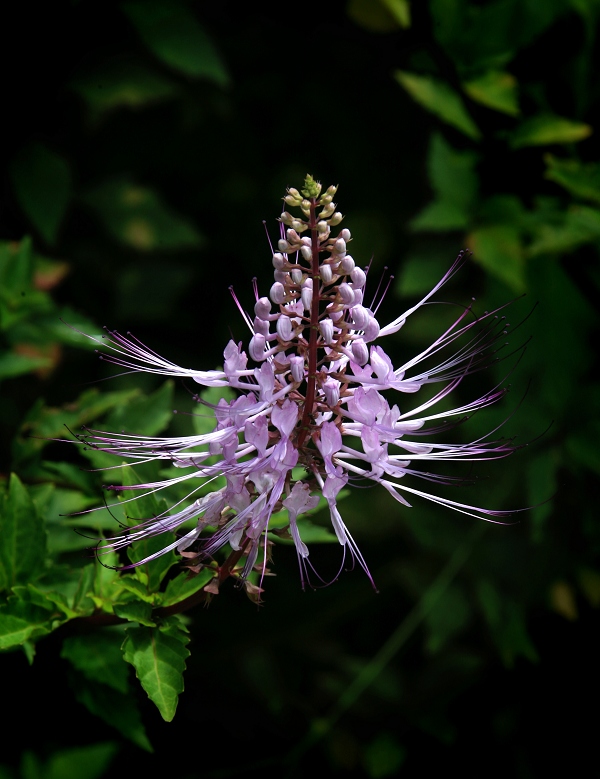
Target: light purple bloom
{"x":319,"y":406}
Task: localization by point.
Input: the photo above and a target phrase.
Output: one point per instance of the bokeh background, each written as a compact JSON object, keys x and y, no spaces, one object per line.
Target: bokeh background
{"x":144,"y":145}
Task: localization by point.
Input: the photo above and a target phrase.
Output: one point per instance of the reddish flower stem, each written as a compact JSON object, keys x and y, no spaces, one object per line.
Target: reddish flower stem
{"x":311,"y":379}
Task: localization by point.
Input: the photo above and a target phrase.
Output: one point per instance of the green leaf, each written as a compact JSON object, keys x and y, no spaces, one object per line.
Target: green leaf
{"x":22,"y":537}
{"x":174,"y":35}
{"x":495,"y":89}
{"x":454,"y":181}
{"x":570,"y":229}
{"x":44,"y":423}
{"x":547,"y":129}
{"x":13,"y":364}
{"x":440,"y":99}
{"x":21,"y":620}
{"x":69,"y":591}
{"x":98,"y":657}
{"x":118,"y":710}
{"x":380,"y":16}
{"x":159,"y":661}
{"x":138,"y":217}
{"x":42,"y":183}
{"x":184,"y":585}
{"x":122,"y":82}
{"x":135,"y":611}
{"x":506,"y":620}
{"x":384,"y":756}
{"x":578,"y":178}
{"x":498,"y":249}
{"x":142,"y":508}
{"x":144,"y":414}
{"x":90,"y":761}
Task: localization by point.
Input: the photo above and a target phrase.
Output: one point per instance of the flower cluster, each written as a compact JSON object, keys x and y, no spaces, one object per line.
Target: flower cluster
{"x":317,"y":407}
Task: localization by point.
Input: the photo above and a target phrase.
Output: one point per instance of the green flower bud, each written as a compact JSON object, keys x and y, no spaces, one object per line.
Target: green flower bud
{"x":312,"y":188}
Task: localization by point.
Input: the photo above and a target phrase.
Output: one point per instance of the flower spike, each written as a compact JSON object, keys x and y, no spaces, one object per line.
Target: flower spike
{"x":316,"y":407}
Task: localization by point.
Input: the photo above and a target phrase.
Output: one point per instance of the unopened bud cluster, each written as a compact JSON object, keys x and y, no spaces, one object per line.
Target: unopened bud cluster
{"x":317,"y":285}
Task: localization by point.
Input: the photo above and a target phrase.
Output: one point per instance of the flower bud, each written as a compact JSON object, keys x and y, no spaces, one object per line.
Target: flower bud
{"x":278,"y":261}
{"x":359,"y":277}
{"x":297,"y":368}
{"x":326,"y":273}
{"x":326,"y":328}
{"x":282,"y":276}
{"x":345,"y":234}
{"x":262,"y":308}
{"x":261,"y":326}
{"x":306,"y":252}
{"x":299,"y":225}
{"x":296,"y":275}
{"x":335,"y":316}
{"x":360,"y":317}
{"x":286,"y":218}
{"x":346,"y":293}
{"x":327,"y":211}
{"x":284,"y":328}
{"x":336,"y":219}
{"x":277,"y":294}
{"x":347,"y":264}
{"x":256,"y":347}
{"x":292,"y":237}
{"x":340,"y":246}
{"x":284,"y":246}
{"x":331,"y":388}
{"x":306,"y":297}
{"x":358,"y":296}
{"x":360,"y":351}
{"x":371,"y":330}
{"x":322,"y":227}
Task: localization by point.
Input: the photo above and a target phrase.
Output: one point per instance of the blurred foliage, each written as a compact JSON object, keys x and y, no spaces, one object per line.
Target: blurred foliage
{"x":139,"y":162}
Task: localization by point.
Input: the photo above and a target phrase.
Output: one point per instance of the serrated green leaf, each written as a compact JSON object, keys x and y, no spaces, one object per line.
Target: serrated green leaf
{"x":440,"y":99}
{"x":22,"y":537}
{"x":184,"y":585}
{"x":44,"y":423}
{"x":98,"y":657}
{"x":495,"y":89}
{"x":580,"y":179}
{"x":138,"y":217}
{"x":547,"y":129}
{"x":499,"y":250}
{"x":42,"y":183}
{"x":118,"y":710}
{"x":21,"y":620}
{"x":137,"y":587}
{"x":70,"y":591}
{"x":174,"y":35}
{"x":159,"y":661}
{"x":135,"y":611}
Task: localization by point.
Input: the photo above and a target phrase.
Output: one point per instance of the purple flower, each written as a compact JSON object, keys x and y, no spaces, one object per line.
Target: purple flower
{"x":319,"y":407}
